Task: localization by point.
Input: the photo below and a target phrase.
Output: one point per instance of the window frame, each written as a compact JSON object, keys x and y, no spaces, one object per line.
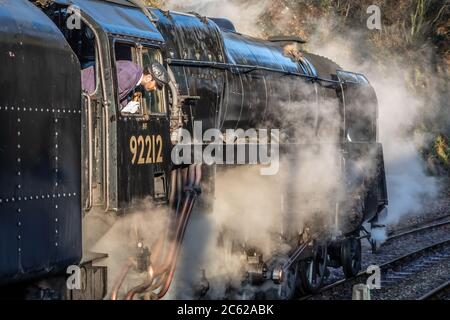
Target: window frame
{"x":137,"y":54}
{"x":159,"y":58}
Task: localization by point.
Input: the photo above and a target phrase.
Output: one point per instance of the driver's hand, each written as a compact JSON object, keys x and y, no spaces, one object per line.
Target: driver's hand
{"x":132,"y":107}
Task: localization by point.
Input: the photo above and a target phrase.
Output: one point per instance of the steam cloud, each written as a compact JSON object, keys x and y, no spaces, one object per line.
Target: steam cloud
{"x":246,"y":204}
{"x":410,"y":188}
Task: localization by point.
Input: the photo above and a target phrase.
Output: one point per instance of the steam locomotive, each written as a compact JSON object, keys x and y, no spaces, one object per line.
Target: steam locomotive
{"x":65,"y":153}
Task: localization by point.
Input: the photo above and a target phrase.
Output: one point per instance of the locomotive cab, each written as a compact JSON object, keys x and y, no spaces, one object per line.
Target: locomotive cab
{"x":125,"y":157}
{"x":121,"y":150}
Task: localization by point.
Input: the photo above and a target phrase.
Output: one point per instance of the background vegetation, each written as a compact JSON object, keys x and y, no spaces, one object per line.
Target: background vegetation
{"x":414,"y":33}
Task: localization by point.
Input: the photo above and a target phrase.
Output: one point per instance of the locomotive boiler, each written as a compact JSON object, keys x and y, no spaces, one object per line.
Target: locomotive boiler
{"x":66,"y":153}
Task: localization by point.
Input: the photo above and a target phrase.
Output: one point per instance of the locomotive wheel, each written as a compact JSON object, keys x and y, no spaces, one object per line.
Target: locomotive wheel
{"x":313,"y":270}
{"x":351,"y":256}
{"x":288,"y":289}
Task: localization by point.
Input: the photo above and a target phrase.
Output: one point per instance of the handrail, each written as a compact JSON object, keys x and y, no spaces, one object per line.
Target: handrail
{"x":249,"y":68}
{"x":89,"y":203}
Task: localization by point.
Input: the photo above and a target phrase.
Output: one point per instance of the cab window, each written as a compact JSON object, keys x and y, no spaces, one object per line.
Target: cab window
{"x":127,"y":52}
{"x":153,"y":101}
{"x":139,"y":101}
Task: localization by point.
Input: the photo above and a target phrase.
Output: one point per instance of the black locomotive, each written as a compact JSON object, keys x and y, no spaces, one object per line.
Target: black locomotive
{"x":65,"y":153}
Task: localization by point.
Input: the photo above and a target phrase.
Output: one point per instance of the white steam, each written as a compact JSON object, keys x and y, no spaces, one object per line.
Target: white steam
{"x":409,"y":187}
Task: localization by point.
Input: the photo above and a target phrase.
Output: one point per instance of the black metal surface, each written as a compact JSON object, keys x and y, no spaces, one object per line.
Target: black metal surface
{"x":117,"y":19}
{"x":40,"y":213}
{"x":136,"y":181}
{"x":242,"y":82}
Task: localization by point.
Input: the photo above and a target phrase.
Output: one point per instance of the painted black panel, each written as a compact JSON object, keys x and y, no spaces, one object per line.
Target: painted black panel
{"x":9,"y":253}
{"x":40,"y":135}
{"x":136,"y":181}
{"x":8,"y":153}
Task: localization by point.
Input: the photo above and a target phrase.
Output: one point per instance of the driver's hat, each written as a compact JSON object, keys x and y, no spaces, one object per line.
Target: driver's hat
{"x":159,"y":74}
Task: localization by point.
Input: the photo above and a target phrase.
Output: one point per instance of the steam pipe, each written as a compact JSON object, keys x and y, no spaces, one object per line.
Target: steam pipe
{"x":121,"y":278}
{"x":142,"y":287}
{"x":193,"y":191}
{"x":164,"y":274}
{"x":173,"y":188}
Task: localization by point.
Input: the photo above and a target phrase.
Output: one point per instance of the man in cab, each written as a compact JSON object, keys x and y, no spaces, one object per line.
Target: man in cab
{"x":132,"y":80}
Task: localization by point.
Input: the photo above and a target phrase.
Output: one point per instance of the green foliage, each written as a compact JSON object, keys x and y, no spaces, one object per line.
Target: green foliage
{"x":442,"y":150}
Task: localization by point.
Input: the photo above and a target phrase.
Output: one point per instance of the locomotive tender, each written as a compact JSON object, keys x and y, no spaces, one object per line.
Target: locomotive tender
{"x":65,"y":153}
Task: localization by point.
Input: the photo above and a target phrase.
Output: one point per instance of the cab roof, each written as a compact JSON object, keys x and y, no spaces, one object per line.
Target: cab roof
{"x":118,"y":17}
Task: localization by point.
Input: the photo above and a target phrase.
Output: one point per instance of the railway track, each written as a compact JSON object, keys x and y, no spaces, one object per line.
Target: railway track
{"x":439,"y":293}
{"x":425,"y":226}
{"x":432,"y":253}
